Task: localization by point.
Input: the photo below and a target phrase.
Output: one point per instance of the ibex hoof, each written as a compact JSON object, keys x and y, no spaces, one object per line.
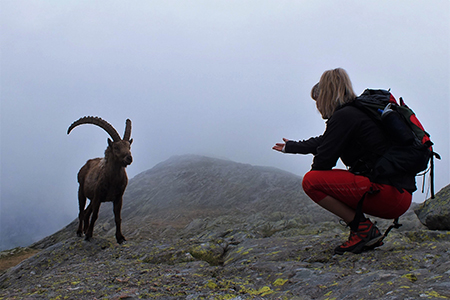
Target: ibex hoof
{"x":79,"y":234}
{"x":121,"y":240}
{"x":87,"y":238}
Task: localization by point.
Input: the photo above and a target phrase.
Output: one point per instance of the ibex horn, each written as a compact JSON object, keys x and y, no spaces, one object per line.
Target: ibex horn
{"x":127,"y":134}
{"x":99,"y":122}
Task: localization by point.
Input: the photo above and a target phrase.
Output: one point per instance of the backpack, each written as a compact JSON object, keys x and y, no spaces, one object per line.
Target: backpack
{"x":410,"y":150}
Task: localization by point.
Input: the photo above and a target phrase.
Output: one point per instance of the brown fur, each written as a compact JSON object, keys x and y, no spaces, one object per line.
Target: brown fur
{"x":104,"y":180}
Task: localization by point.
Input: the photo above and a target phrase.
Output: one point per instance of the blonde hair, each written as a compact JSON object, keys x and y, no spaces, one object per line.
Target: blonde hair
{"x":334,"y":89}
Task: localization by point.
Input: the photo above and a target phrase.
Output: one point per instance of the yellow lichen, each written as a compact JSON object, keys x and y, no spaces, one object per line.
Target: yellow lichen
{"x":335,"y":283}
{"x":435,"y":295}
{"x":410,"y":276}
{"x":211,"y":285}
{"x":264,"y":291}
{"x":248,"y":251}
{"x":279,"y":282}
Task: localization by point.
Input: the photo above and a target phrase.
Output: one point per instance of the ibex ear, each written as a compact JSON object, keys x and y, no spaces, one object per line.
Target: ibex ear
{"x":110,"y":143}
{"x":131,"y":141}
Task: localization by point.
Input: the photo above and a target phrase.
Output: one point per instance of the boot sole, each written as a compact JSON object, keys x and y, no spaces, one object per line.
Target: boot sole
{"x":373,"y":241}
{"x":378,"y":243}
{"x":367,"y":245}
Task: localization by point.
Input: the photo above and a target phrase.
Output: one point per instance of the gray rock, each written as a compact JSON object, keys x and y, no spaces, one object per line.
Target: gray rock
{"x":435,"y":213}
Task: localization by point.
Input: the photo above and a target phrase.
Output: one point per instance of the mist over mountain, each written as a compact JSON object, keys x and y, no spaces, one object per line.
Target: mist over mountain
{"x":23,"y":222}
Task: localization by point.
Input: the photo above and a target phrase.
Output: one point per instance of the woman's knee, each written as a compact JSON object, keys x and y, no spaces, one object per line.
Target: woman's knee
{"x":317,"y":179}
{"x":311,"y":186}
{"x":309,"y":180}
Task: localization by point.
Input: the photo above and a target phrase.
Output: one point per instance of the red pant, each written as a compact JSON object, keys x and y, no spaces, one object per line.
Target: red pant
{"x":348,"y":188}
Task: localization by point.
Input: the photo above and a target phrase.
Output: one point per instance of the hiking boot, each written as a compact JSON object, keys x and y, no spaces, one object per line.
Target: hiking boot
{"x":367,"y":236}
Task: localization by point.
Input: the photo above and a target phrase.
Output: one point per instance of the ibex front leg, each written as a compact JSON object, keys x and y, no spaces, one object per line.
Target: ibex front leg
{"x":117,"y":217}
{"x":95,"y":206}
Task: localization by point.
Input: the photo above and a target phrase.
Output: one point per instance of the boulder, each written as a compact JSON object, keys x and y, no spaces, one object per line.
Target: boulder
{"x":435,"y":213}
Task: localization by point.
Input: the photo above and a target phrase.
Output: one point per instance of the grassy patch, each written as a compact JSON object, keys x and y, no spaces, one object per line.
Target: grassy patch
{"x":11,"y":258}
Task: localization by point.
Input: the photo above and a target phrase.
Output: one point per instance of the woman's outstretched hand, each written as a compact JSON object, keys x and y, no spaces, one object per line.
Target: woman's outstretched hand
{"x":280,"y":146}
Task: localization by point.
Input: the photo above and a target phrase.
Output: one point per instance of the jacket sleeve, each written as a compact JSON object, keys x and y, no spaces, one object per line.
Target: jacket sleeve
{"x":304,"y":147}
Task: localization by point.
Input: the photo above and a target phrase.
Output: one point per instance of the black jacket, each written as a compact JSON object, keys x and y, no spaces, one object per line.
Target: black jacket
{"x":356,"y":139}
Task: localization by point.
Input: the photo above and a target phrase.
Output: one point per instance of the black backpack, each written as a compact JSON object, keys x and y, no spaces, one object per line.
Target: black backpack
{"x":410,"y":150}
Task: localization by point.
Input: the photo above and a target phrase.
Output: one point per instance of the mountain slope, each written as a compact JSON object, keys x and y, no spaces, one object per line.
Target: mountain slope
{"x":188,"y":187}
{"x":203,"y":228}
{"x":165,"y":199}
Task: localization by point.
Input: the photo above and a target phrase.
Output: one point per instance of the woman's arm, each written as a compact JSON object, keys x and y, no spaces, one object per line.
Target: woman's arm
{"x":301,"y":147}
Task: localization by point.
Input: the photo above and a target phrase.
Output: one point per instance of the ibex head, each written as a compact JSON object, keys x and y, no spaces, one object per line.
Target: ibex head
{"x":119,"y":147}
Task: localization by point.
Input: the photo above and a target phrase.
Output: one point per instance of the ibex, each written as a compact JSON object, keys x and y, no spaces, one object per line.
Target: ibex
{"x":104,"y":179}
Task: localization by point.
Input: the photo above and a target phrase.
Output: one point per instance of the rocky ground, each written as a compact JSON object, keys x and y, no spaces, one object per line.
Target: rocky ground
{"x":293,"y":263}
{"x":201,"y":228}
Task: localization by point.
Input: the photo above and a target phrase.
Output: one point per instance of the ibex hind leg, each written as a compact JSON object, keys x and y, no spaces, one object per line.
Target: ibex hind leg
{"x":81,"y":204}
{"x":87,"y":216}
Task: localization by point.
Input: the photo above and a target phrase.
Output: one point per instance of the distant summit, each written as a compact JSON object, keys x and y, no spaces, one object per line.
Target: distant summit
{"x":198,"y":185}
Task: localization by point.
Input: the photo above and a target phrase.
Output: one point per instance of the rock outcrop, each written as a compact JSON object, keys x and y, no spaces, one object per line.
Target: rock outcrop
{"x":435,"y":213}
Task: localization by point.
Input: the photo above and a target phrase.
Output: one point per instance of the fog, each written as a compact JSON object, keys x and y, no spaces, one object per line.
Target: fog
{"x":226,"y":79}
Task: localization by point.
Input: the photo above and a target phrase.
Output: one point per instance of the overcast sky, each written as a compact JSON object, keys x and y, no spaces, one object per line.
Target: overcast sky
{"x":221,"y":78}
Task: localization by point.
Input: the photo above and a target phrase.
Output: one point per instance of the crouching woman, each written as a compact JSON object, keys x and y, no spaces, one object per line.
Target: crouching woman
{"x":353,"y":137}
